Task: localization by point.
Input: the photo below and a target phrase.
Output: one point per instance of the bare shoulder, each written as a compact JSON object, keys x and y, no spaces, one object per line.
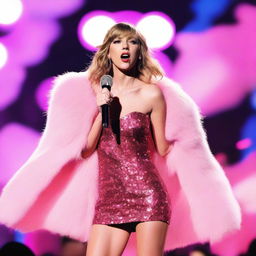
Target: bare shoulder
{"x":152,"y":92}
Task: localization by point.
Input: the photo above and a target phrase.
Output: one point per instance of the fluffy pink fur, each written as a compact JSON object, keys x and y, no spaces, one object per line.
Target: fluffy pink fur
{"x":56,"y":189}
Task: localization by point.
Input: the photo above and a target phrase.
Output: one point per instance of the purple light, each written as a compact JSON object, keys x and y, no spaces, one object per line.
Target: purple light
{"x":42,"y":93}
{"x":131,"y":17}
{"x":13,"y":76}
{"x":3,"y":55}
{"x":23,"y":139}
{"x":29,"y":40}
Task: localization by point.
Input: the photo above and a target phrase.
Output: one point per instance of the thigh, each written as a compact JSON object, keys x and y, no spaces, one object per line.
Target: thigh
{"x":106,"y":240}
{"x":150,"y":236}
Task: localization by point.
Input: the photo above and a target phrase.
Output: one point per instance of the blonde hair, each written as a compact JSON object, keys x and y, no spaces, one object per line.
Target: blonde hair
{"x":147,"y":67}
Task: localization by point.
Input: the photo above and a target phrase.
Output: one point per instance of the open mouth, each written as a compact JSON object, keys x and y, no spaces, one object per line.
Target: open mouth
{"x":125,"y":57}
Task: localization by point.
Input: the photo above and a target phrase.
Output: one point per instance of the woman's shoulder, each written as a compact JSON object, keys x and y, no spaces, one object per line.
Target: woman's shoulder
{"x":170,"y":90}
{"x":151,"y":90}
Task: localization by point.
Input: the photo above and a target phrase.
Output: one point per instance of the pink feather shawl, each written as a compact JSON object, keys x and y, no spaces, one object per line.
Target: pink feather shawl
{"x":56,"y":190}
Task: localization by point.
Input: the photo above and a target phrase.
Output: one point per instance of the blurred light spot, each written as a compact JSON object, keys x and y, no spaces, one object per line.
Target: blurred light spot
{"x":10,"y":11}
{"x":205,"y":13}
{"x":158,"y":30}
{"x":21,"y":138}
{"x":92,"y":30}
{"x":222,"y":158}
{"x":42,"y":93}
{"x":243,"y":144}
{"x":3,"y":55}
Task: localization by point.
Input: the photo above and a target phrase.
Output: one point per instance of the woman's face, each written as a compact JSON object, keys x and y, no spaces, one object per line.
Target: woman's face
{"x":123,"y":52}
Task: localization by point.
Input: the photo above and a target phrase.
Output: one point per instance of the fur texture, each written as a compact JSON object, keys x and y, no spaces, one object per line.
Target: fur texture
{"x":56,"y":189}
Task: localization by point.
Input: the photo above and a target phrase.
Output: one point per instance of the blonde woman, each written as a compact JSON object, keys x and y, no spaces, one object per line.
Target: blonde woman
{"x":132,"y":196}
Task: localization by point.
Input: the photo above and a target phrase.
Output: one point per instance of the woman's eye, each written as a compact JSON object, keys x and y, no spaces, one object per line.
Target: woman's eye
{"x":116,"y":41}
{"x":134,"y":41}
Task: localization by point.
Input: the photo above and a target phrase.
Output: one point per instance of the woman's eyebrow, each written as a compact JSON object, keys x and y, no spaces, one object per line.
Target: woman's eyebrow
{"x":132,"y":37}
{"x":128,"y":38}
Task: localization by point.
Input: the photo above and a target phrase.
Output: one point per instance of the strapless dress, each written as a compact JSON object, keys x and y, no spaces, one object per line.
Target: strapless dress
{"x":130,"y":188}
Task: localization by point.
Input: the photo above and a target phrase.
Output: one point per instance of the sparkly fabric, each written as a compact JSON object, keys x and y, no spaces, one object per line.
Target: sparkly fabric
{"x":130,"y":187}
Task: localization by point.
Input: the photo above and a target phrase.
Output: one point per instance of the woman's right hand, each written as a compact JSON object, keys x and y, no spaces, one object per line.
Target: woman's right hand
{"x":103,"y":96}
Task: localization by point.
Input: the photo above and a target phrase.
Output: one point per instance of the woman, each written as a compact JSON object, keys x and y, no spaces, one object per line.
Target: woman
{"x":124,"y":55}
{"x":63,"y":185}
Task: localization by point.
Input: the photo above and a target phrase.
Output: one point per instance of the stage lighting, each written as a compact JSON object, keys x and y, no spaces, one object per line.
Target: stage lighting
{"x":10,"y":11}
{"x":3,"y":55}
{"x":92,"y":30}
{"x":158,"y":30}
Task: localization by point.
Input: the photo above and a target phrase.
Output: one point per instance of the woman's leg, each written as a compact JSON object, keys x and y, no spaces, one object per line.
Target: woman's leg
{"x":106,"y":240}
{"x":150,"y":236}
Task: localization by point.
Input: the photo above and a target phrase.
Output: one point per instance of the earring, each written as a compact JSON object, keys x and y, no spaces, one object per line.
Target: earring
{"x":139,"y":57}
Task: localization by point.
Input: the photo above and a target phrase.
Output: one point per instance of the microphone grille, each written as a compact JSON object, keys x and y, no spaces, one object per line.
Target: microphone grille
{"x":106,"y":80}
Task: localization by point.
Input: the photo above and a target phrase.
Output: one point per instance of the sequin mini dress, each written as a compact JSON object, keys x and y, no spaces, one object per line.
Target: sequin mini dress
{"x":130,"y":187}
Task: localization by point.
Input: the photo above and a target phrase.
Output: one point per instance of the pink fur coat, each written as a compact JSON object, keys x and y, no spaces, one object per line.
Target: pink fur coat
{"x":56,"y":189}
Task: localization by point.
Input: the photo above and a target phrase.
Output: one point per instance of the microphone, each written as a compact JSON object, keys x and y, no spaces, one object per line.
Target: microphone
{"x":105,"y":82}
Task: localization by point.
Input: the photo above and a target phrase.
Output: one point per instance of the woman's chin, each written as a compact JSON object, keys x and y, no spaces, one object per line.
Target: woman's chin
{"x":126,"y":67}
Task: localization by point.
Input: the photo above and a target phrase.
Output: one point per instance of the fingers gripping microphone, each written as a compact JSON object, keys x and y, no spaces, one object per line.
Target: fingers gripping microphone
{"x":105,"y":82}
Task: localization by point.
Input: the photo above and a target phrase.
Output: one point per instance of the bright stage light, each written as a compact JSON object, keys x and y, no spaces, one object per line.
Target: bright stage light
{"x":92,"y":30}
{"x":10,"y":11}
{"x":3,"y":55}
{"x":158,"y":29}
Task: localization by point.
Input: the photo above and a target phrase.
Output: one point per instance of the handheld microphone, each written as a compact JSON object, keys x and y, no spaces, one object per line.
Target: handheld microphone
{"x":105,"y":82}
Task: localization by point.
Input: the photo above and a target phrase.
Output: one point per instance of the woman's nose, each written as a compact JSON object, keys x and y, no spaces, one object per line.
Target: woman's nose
{"x":125,"y":45}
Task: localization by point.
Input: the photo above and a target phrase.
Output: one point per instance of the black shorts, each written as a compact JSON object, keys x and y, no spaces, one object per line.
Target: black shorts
{"x":128,"y":226}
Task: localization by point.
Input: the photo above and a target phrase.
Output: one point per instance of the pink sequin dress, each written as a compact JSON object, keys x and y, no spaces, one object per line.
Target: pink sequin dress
{"x":130,"y":187}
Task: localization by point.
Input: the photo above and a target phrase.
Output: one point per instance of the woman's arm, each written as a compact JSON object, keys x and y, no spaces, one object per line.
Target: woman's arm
{"x":158,"y":119}
{"x":93,"y":136}
{"x":103,"y":96}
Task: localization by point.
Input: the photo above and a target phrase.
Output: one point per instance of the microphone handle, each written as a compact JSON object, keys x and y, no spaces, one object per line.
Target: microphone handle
{"x":105,"y":109}
{"x":105,"y":114}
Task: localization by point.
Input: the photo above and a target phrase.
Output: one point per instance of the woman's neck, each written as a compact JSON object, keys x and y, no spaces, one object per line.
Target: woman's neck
{"x":122,"y":80}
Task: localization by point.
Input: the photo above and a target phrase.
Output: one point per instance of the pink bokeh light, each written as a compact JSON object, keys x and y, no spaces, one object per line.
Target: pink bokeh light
{"x":35,"y":31}
{"x":243,"y":144}
{"x":217,"y":67}
{"x":42,"y":93}
{"x":17,"y":144}
{"x":243,"y":181}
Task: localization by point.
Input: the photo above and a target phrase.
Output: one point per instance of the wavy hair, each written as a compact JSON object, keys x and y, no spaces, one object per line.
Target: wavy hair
{"x":146,"y":69}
